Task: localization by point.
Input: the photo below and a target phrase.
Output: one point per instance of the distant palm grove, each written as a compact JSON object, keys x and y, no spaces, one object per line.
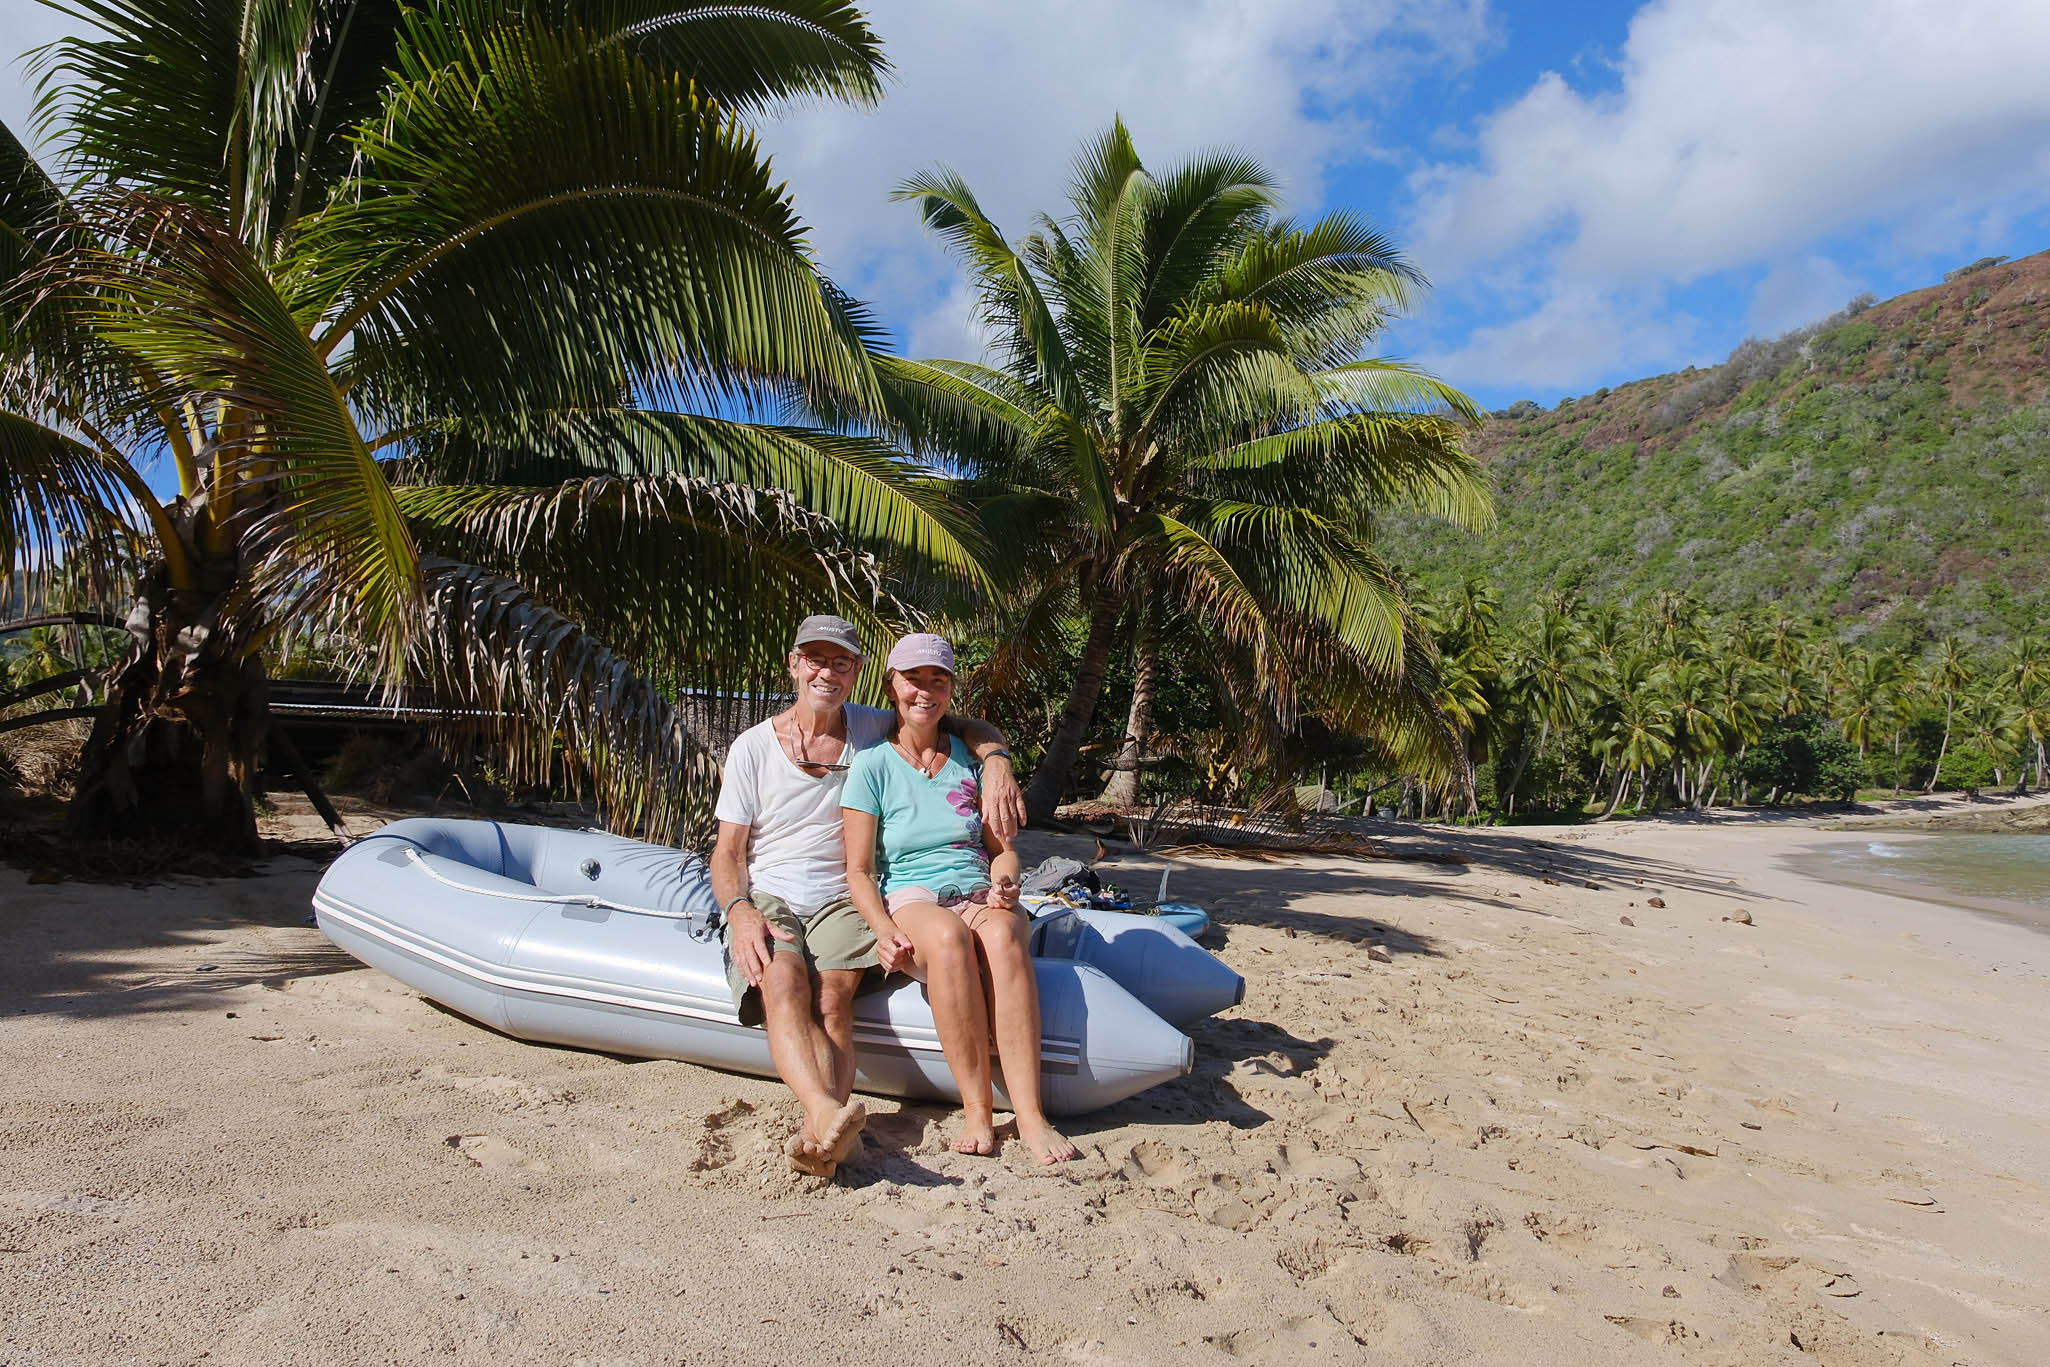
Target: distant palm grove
{"x":1577,"y":707}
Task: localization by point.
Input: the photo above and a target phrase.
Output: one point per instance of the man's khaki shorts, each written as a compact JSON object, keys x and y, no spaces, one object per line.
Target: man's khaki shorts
{"x":834,"y":938}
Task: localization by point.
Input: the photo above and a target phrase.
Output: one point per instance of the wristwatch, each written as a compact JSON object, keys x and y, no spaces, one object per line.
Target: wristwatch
{"x":747,"y":897}
{"x":998,"y":751}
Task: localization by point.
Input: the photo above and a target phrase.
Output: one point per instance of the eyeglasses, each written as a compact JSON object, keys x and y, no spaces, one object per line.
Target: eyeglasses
{"x":829,"y":664}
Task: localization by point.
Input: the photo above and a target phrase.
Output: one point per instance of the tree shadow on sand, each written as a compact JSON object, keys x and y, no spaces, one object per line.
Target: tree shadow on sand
{"x":95,"y":952}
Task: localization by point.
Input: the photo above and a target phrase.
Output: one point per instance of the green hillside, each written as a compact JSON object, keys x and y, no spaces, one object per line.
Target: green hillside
{"x":1883,"y":476}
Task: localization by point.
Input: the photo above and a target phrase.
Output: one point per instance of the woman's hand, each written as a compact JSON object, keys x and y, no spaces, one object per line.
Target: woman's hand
{"x":1003,"y":893}
{"x":895,"y":949}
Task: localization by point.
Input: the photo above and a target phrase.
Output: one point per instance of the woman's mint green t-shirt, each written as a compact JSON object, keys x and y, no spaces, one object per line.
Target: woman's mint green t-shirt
{"x":929,"y":829}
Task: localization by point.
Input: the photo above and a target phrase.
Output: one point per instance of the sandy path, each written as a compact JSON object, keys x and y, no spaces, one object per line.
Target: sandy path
{"x":1535,"y":1134}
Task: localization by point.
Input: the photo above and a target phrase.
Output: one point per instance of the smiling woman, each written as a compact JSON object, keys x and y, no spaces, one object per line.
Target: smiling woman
{"x":384,"y":344}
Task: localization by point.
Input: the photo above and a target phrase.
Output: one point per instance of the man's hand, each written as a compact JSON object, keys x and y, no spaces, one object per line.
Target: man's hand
{"x":752,"y":940}
{"x":1003,"y":802}
{"x":896,"y":951}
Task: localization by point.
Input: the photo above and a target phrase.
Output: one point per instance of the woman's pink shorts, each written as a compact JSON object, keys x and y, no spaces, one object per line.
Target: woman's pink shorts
{"x":973,"y":908}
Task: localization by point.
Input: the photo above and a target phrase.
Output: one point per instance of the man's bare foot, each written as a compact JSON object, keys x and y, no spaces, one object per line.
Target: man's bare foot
{"x":977,"y":1137}
{"x":1048,"y":1143}
{"x":843,"y":1133}
{"x":805,"y":1157}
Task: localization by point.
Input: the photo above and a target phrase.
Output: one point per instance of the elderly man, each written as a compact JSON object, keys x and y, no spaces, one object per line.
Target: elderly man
{"x":796,"y":950}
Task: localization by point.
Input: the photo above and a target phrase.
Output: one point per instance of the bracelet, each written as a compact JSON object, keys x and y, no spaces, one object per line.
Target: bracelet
{"x":996,"y":752}
{"x":747,"y":897}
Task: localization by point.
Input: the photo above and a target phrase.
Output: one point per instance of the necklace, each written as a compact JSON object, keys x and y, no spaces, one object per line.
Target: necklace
{"x":939,"y":759}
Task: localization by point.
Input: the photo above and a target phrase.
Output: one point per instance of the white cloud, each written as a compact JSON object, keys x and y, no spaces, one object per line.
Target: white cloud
{"x":1797,"y":292}
{"x":1006,"y":93}
{"x":1741,"y":133}
{"x":24,"y":24}
{"x":1576,"y":331}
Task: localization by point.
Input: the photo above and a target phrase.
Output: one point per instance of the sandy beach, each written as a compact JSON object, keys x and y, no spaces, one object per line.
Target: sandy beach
{"x":1468,"y":1112}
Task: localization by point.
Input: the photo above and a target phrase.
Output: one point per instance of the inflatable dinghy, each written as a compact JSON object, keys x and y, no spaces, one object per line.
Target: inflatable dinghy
{"x":599,"y":942}
{"x":1149,"y":956}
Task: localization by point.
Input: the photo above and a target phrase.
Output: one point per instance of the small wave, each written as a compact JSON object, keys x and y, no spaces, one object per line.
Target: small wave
{"x":1879,"y":849}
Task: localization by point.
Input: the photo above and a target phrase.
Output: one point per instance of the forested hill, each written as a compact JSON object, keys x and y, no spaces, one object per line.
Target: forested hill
{"x":1883,"y":475}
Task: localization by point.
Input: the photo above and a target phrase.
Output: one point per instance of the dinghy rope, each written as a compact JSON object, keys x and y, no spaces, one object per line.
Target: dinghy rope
{"x":703,"y":929}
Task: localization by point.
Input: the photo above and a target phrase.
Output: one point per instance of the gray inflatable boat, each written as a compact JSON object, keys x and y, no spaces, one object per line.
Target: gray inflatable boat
{"x":599,"y":942}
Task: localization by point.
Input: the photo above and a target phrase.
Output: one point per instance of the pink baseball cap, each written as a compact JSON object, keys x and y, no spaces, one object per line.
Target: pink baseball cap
{"x":922,"y":648}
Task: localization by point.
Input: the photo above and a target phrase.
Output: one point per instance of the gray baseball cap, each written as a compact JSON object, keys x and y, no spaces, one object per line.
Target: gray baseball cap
{"x":827,"y":629}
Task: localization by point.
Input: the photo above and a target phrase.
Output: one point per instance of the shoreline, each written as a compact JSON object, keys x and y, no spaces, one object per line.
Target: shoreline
{"x":1523,"y":1130}
{"x":1811,"y":861}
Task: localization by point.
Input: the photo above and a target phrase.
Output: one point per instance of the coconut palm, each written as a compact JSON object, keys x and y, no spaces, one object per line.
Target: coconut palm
{"x":1181,"y":412}
{"x":1991,"y":724}
{"x":1865,"y":681}
{"x":2032,"y":723}
{"x":1634,"y":729}
{"x":1949,"y":671}
{"x":1689,"y":690}
{"x":415,"y":306}
{"x":1552,"y":677}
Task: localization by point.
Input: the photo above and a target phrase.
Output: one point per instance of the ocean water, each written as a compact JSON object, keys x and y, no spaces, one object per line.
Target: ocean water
{"x":2010,"y":869}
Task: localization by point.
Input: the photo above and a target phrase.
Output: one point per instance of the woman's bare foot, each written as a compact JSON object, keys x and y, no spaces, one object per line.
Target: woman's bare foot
{"x":1048,"y":1143}
{"x":977,"y":1137}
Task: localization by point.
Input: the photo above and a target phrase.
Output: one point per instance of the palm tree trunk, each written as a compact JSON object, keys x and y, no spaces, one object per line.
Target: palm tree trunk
{"x":1523,"y":761}
{"x":1123,"y":788}
{"x":1936,"y":776}
{"x":1616,"y":798}
{"x":1043,"y":796}
{"x":174,"y":751}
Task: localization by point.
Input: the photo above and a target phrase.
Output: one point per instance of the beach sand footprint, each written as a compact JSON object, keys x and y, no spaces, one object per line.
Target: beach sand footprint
{"x":489,"y":1151}
{"x":1161,"y":1164}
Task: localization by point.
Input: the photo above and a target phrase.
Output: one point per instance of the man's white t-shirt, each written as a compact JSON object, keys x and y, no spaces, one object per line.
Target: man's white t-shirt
{"x":794,"y":845}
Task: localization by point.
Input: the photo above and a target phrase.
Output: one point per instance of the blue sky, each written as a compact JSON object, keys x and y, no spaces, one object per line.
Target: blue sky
{"x":1598,"y":191}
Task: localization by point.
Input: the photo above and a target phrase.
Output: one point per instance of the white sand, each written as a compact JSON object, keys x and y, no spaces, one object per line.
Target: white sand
{"x":1537,"y":1136}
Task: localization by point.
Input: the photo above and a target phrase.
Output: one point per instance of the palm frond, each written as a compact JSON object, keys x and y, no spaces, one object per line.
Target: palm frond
{"x":190,"y":303}
{"x":958,"y":408}
{"x":1205,"y":210}
{"x":746,"y":56}
{"x":1387,"y":385}
{"x":948,"y":208}
{"x":1301,"y":568}
{"x":859,"y":483}
{"x":698,"y":580}
{"x":59,"y":502}
{"x":539,"y":686}
{"x":1363,"y":463}
{"x":565,"y":226}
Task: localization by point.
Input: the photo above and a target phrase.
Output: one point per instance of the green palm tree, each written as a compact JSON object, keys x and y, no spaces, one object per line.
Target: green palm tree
{"x":1948,"y":673}
{"x":1900,"y":705}
{"x":2032,"y":722}
{"x":1634,"y":728}
{"x":1689,"y":690}
{"x":1992,"y":724}
{"x":1552,"y":677}
{"x":1182,"y":413}
{"x":1865,"y":681}
{"x":421,"y":307}
{"x":1741,"y":706}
